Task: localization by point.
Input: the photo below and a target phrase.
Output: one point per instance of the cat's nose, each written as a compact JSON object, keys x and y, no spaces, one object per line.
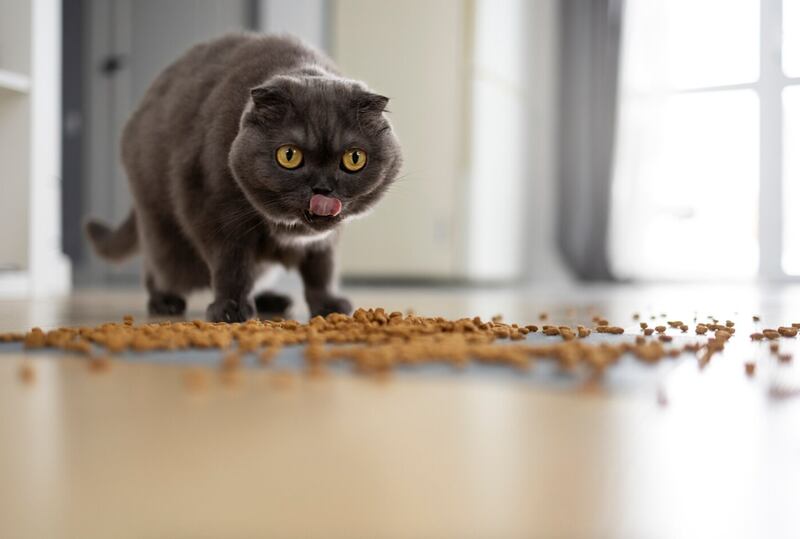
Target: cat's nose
{"x":322,"y":190}
{"x":322,"y":187}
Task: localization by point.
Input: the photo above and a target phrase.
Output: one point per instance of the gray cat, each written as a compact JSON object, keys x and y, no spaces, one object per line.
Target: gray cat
{"x":248,"y":151}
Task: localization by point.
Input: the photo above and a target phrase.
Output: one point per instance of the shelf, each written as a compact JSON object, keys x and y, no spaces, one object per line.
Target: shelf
{"x":14,"y":82}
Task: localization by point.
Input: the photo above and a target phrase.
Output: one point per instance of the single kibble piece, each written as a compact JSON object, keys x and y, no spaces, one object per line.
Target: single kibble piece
{"x":231,"y":362}
{"x":661,"y":329}
{"x":787,"y":331}
{"x":784,"y":358}
{"x":542,"y":316}
{"x":99,"y":364}
{"x":729,"y":323}
{"x":27,"y":374}
{"x":643,"y":325}
{"x":756,"y":318}
{"x":665,"y":338}
{"x":196,"y":379}
{"x":649,"y":331}
{"x":750,"y":368}
{"x":756,"y":336}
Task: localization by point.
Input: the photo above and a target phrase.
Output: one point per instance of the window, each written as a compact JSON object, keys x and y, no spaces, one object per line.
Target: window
{"x":705,"y":178}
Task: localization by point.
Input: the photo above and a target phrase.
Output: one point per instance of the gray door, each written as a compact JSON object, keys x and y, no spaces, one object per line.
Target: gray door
{"x":128,"y":43}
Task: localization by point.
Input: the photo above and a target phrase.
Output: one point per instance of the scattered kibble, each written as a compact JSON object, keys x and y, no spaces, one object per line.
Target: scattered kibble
{"x":373,"y":341}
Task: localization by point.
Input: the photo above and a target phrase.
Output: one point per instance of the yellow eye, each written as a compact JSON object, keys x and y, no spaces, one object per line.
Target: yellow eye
{"x":289,"y":156}
{"x":354,"y":159}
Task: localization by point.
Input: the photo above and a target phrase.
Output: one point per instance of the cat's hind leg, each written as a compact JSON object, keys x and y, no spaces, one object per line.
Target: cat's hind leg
{"x":172,"y":266}
{"x":163,"y":303}
{"x":272,"y":303}
{"x":269,"y":303}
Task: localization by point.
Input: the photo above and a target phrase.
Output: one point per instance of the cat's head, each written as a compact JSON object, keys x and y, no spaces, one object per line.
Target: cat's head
{"x":313,"y":151}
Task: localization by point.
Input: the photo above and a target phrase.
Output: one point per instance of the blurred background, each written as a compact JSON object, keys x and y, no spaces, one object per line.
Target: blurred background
{"x":546,"y":141}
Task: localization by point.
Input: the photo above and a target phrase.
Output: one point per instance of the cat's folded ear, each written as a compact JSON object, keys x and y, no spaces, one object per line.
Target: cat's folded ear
{"x":370,"y":112}
{"x":270,"y":100}
{"x":372,"y":103}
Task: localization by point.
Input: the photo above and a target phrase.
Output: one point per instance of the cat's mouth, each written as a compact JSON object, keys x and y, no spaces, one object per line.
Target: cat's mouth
{"x":323,"y":211}
{"x":320,"y":220}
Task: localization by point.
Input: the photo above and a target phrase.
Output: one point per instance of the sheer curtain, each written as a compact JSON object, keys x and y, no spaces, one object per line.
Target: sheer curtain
{"x":590,"y":35}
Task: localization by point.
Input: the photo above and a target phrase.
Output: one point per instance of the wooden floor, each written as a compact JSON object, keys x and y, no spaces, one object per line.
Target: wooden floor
{"x":667,"y":451}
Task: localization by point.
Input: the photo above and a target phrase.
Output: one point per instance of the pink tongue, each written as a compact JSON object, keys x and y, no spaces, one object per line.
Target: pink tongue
{"x":322,"y":205}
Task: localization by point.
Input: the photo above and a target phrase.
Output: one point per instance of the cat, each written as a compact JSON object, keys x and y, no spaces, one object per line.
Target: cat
{"x":249,"y":151}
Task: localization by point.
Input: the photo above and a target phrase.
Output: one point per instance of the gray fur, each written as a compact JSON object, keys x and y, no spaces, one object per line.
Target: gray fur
{"x":212,"y":206}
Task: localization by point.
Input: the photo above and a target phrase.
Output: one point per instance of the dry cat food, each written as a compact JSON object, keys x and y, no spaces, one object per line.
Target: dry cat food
{"x":27,"y":373}
{"x":375,"y":341}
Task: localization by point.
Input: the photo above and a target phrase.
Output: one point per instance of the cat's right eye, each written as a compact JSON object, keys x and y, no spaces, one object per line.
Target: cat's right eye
{"x":289,"y":156}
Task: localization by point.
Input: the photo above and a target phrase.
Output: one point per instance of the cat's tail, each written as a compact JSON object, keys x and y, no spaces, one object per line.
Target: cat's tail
{"x":117,"y":244}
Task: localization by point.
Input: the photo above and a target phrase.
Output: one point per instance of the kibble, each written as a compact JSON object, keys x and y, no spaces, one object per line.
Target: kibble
{"x":27,"y":374}
{"x":787,"y":331}
{"x":196,"y":379}
{"x":374,"y":342}
{"x":614,"y":330}
{"x":99,"y":364}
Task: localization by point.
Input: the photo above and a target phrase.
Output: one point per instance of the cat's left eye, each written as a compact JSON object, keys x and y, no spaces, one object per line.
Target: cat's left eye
{"x":289,"y":156}
{"x":354,"y":159}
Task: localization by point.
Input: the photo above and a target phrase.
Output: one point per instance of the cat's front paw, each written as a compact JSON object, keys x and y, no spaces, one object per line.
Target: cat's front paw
{"x":228,"y":310}
{"x":326,"y":305}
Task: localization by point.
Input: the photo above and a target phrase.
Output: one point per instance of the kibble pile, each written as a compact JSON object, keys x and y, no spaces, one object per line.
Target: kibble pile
{"x":374,"y":341}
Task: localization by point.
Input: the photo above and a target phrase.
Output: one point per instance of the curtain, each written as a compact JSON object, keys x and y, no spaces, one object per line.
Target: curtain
{"x":590,"y":46}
